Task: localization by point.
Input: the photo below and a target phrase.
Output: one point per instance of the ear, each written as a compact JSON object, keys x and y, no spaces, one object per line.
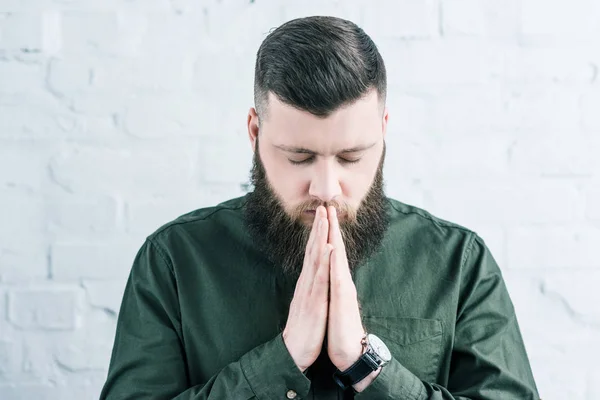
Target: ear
{"x":253,"y":128}
{"x":384,"y":121}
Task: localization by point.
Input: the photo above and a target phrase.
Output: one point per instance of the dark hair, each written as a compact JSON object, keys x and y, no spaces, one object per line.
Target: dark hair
{"x":317,"y":64}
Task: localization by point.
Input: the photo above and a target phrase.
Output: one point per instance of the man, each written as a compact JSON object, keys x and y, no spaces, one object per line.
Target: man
{"x":315,"y":285}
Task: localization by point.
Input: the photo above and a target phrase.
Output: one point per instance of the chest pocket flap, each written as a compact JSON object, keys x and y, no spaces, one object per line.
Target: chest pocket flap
{"x":416,"y":343}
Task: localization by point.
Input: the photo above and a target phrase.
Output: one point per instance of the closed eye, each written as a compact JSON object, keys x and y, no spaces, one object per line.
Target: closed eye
{"x":348,"y":161}
{"x":312,"y":158}
{"x":300,"y":162}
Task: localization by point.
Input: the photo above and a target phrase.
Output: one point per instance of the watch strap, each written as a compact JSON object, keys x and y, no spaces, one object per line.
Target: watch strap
{"x":357,"y":371}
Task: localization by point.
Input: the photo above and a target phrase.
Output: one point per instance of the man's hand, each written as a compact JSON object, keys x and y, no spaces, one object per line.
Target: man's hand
{"x":307,"y":320}
{"x":344,"y":329}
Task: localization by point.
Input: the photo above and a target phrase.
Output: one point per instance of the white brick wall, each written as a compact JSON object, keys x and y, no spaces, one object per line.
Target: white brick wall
{"x":112,"y":111}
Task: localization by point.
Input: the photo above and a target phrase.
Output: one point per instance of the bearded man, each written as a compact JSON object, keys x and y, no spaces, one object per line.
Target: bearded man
{"x":315,"y":285}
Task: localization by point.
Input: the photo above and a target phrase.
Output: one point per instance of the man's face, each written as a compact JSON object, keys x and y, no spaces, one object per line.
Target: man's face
{"x":302,"y":161}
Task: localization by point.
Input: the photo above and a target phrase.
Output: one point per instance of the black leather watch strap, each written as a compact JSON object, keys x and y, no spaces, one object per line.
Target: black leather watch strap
{"x":357,"y":371}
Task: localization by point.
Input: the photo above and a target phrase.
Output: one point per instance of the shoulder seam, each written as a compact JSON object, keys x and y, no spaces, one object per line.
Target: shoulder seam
{"x":468,"y":251}
{"x":430,"y":218}
{"x":161,"y":252}
{"x":198,"y":218}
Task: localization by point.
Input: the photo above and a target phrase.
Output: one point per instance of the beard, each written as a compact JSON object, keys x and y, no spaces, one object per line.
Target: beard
{"x":283,"y":237}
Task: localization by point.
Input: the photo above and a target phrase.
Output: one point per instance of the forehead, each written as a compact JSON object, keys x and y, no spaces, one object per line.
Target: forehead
{"x":355,"y":123}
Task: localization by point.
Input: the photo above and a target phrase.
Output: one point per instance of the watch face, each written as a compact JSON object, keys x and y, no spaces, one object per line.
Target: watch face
{"x":379,"y":348}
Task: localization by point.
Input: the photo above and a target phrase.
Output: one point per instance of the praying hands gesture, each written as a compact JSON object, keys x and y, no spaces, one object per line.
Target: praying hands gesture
{"x":325,"y":299}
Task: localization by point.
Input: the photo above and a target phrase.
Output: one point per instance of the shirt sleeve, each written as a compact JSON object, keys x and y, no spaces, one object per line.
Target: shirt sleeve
{"x":489,"y":360}
{"x":148,"y":357}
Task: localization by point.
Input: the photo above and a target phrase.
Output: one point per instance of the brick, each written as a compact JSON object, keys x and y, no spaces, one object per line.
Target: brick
{"x":21,"y":31}
{"x":230,"y":156}
{"x":468,"y":158}
{"x":593,"y":389}
{"x":573,"y":64}
{"x":557,"y":154}
{"x":409,"y":116}
{"x":106,"y":33}
{"x":18,"y":78}
{"x":50,"y":391}
{"x":463,"y":17}
{"x":213,"y":71}
{"x":26,"y":265}
{"x":30,"y":34}
{"x":553,"y":247}
{"x":85,"y":5}
{"x":11,"y":356}
{"x":477,"y":202}
{"x":68,"y":77}
{"x":90,"y":129}
{"x":78,"y":216}
{"x":566,"y":382}
{"x":4,"y":327}
{"x":77,"y":358}
{"x":593,"y":204}
{"x":149,"y":168}
{"x":590,"y":104}
{"x":502,"y":23}
{"x":577,"y":290}
{"x":143,"y":74}
{"x":44,"y":308}
{"x":106,"y":295}
{"x":481,"y":18}
{"x":401,"y":19}
{"x":71,"y":352}
{"x":240,"y":27}
{"x":21,"y":165}
{"x":27,"y":116}
{"x":23,"y":213}
{"x":562,"y":21}
{"x":540,"y":312}
{"x":108,"y":260}
{"x":447,"y":62}
{"x":165,"y":116}
{"x":470,"y":111}
{"x":459,"y":158}
{"x":541,"y":108}
{"x":74,"y":81}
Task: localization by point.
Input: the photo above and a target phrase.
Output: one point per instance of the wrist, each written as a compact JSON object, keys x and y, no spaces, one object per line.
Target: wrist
{"x":301,"y":366}
{"x":354,"y":356}
{"x":362,"y":385}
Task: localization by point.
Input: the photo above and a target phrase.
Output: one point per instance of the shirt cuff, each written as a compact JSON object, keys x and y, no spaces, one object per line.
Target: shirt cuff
{"x":271,"y":371}
{"x":394,"y":382}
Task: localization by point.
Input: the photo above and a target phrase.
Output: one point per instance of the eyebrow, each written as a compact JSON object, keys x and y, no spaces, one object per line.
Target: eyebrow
{"x":303,"y":150}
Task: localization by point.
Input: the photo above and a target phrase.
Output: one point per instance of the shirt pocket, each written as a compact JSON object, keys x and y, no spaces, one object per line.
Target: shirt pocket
{"x":416,"y":343}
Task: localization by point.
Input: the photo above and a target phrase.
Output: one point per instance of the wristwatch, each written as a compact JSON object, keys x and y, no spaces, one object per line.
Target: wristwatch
{"x":376,"y":355}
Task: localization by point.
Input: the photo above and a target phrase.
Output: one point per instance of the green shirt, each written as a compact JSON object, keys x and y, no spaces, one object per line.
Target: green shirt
{"x":203,"y":313}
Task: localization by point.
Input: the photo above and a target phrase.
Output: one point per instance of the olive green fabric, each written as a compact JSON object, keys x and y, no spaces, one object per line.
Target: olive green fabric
{"x":203,"y":311}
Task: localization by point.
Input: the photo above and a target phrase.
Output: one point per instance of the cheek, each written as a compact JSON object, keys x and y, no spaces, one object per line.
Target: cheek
{"x":355,"y":187}
{"x":358,"y":180}
{"x":288,"y":182}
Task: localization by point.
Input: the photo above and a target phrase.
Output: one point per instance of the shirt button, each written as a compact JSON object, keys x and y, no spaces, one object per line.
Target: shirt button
{"x":291,"y":394}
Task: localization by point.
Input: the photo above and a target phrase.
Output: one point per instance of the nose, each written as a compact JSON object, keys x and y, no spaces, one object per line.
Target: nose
{"x":325,"y":184}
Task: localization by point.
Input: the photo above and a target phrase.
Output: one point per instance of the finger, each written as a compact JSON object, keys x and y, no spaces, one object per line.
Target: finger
{"x":335,"y":233}
{"x":320,"y":240}
{"x":340,"y":278}
{"x":310,"y":255}
{"x":313,"y":230}
{"x":320,"y":287}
